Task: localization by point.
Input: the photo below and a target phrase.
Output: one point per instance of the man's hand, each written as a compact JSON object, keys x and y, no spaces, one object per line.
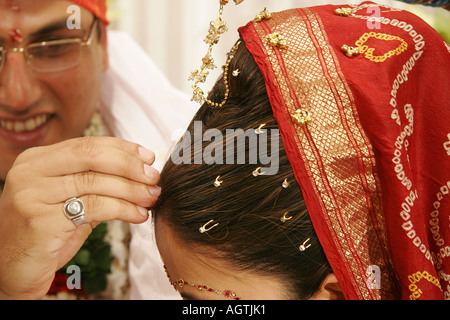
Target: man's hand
{"x":112,"y":177}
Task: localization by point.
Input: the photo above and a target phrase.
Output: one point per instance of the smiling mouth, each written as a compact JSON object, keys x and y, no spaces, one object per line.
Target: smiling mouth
{"x":28,"y":125}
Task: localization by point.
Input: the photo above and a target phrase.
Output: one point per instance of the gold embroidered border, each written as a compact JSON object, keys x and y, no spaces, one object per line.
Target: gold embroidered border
{"x":414,"y":278}
{"x":334,"y":147}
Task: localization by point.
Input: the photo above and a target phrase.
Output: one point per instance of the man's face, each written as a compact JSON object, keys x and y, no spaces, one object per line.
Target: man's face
{"x":42,"y":108}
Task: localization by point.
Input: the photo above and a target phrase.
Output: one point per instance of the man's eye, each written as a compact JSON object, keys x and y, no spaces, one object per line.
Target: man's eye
{"x":51,"y":50}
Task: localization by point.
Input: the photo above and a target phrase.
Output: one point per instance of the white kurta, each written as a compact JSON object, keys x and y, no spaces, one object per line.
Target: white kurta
{"x":139,"y":104}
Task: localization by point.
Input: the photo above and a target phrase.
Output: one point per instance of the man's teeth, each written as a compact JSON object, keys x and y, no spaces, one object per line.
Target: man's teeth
{"x":24,"y":126}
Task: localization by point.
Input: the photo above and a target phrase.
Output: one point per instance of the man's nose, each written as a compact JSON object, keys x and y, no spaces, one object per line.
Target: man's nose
{"x":19,"y":86}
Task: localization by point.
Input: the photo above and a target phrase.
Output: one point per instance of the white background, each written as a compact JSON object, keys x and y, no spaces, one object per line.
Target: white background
{"x":172,"y":31}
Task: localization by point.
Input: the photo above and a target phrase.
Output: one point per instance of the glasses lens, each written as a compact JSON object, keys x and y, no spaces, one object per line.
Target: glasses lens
{"x":54,"y":55}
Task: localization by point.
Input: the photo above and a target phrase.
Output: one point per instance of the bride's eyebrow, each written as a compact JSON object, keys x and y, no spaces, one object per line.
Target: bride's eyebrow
{"x":188,"y":296}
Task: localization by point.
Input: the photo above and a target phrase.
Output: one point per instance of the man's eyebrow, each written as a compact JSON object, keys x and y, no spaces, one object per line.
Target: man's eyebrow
{"x":51,"y":27}
{"x":55,"y":26}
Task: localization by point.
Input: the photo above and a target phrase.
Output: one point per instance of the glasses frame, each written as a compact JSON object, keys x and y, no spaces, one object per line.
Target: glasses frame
{"x":25,"y":50}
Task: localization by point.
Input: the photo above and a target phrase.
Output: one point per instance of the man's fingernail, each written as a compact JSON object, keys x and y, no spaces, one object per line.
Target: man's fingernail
{"x":151,"y":172}
{"x":155,"y":191}
{"x":147,"y":155}
{"x":143,"y":211}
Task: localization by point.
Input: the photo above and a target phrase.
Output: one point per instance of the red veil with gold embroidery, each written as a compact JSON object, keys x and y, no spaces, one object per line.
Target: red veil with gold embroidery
{"x":373,"y":161}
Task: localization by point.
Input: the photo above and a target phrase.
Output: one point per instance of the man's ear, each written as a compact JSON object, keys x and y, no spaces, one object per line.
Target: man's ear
{"x":330,"y":289}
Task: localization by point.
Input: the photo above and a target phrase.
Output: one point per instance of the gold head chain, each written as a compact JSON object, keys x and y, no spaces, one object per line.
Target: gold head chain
{"x":216,"y":29}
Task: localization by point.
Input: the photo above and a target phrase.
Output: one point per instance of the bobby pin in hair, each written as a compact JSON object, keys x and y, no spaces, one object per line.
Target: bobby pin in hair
{"x":285,"y":218}
{"x":285,"y":184}
{"x":257,"y":172}
{"x":203,"y":228}
{"x":303,"y":246}
{"x":218,"y":182}
{"x":260,"y":129}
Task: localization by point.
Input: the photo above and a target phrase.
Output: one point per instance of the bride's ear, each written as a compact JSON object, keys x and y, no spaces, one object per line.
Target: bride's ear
{"x":330,"y":289}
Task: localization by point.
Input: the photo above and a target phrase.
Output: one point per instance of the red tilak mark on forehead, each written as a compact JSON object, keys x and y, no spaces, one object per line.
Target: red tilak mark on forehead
{"x":15,"y":35}
{"x":12,"y":5}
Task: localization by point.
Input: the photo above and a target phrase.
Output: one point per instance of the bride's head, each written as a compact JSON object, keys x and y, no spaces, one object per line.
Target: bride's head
{"x":228,"y":227}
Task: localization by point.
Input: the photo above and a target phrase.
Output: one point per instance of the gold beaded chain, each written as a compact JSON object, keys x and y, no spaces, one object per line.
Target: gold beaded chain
{"x":216,"y":29}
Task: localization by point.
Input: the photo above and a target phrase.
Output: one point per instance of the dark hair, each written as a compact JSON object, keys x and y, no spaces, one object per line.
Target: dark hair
{"x":248,"y":209}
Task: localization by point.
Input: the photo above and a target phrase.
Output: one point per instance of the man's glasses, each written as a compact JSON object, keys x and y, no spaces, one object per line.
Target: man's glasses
{"x":52,"y":55}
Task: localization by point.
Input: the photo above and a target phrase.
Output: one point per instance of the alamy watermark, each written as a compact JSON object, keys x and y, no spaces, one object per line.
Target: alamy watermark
{"x":234,"y":146}
{"x":374,"y":20}
{"x":373,"y":274}
{"x":74,"y":20}
{"x":74,"y":280}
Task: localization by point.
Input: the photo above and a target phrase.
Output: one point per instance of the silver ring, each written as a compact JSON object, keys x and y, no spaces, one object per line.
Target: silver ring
{"x":74,"y":211}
